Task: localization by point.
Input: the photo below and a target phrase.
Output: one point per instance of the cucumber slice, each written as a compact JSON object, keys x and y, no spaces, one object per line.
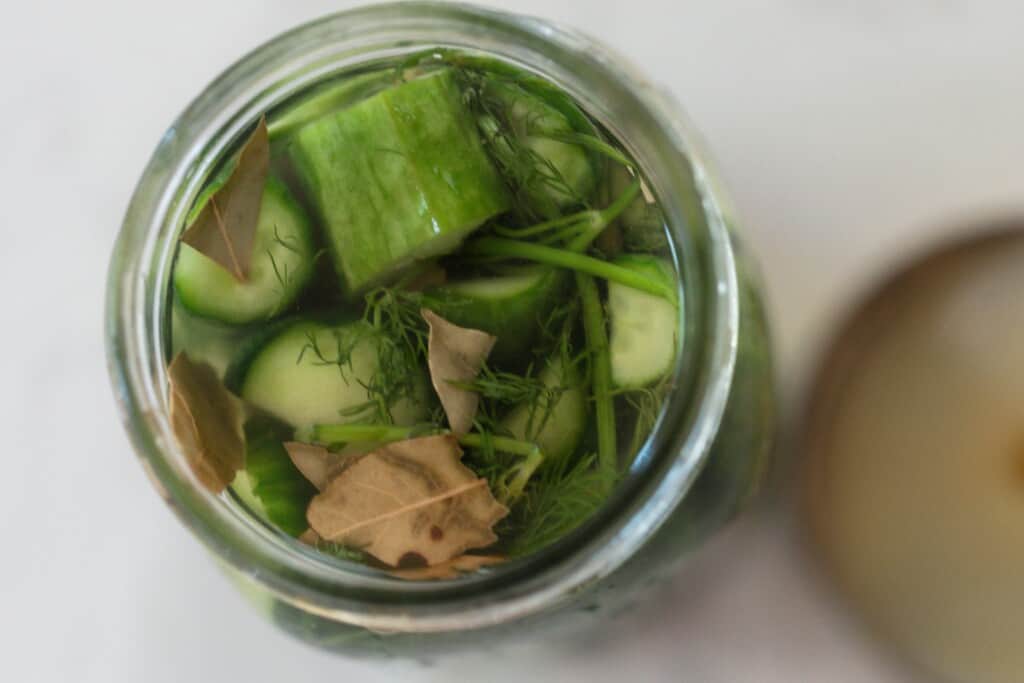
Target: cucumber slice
{"x":642,"y":222}
{"x":511,"y":306}
{"x":557,"y":431}
{"x":204,"y":340}
{"x":242,"y":486}
{"x":271,"y":485}
{"x":398,"y":177}
{"x":644,"y":327}
{"x":287,"y":378}
{"x":282,"y":265}
{"x":558,"y":174}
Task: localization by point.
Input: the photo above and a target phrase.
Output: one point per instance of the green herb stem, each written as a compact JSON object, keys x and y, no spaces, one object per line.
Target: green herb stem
{"x":606,"y":216}
{"x":591,"y":142}
{"x":582,"y":227}
{"x":365,"y":433}
{"x":501,"y":248}
{"x":600,"y":372}
{"x":514,"y":482}
{"x":517,"y":478}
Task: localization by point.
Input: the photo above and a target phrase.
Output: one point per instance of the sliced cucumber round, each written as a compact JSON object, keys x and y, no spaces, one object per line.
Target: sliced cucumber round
{"x":644,"y":338}
{"x":511,"y":306}
{"x":282,"y":264}
{"x":315,"y":373}
{"x":270,"y":485}
{"x":556,"y":428}
{"x":203,"y":339}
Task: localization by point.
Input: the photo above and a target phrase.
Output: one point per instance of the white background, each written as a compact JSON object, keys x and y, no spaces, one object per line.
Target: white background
{"x":851,"y":133}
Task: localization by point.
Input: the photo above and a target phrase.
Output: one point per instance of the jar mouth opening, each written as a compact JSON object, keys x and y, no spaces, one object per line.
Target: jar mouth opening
{"x":138,"y":295}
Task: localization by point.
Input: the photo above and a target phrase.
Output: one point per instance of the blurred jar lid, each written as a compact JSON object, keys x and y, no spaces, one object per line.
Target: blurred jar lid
{"x":914,"y":477}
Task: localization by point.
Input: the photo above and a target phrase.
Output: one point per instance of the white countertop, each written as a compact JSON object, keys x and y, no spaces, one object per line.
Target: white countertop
{"x":849,"y":131}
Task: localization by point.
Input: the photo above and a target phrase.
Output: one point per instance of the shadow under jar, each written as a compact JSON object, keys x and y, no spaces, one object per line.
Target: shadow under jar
{"x":706,"y":457}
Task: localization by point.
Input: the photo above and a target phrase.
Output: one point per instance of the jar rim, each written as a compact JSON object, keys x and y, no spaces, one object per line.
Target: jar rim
{"x":138,"y":287}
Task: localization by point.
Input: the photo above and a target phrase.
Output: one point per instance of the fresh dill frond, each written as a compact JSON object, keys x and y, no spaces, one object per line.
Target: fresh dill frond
{"x":400,"y":334}
{"x":282,"y":273}
{"x":645,"y":405}
{"x":527,"y":173}
{"x":286,"y":243}
{"x":558,"y":501}
{"x":340,"y":355}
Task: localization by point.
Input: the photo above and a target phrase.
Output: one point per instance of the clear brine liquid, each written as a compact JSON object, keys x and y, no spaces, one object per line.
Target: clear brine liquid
{"x":208,"y":321}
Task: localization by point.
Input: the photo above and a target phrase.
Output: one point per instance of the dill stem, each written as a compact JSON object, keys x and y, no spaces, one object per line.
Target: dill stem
{"x":347,"y":433}
{"x":591,"y":142}
{"x":538,"y":228}
{"x":531,"y":451}
{"x":600,"y":372}
{"x":605,"y":217}
{"x":499,"y":247}
{"x":583,"y":227}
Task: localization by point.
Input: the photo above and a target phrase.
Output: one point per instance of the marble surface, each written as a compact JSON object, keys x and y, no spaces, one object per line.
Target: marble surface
{"x":851,"y":132}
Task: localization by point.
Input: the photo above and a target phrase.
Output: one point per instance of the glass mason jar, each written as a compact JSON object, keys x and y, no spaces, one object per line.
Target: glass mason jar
{"x":707,"y":456}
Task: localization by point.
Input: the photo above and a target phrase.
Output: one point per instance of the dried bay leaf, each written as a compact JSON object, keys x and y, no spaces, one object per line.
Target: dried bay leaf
{"x":225,"y":229}
{"x":310,"y":537}
{"x":455,"y":354}
{"x":316,"y":463}
{"x":407,"y":503}
{"x":451,"y":569}
{"x":206,"y":419}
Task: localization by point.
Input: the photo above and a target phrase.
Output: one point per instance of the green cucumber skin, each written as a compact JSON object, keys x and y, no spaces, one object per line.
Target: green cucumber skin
{"x":326,"y":99}
{"x":531,"y":118}
{"x":644,"y":339}
{"x":283,"y":493}
{"x":514,"y":318}
{"x":284,"y":378}
{"x":400,"y":176}
{"x":560,"y":435}
{"x":277,"y":276}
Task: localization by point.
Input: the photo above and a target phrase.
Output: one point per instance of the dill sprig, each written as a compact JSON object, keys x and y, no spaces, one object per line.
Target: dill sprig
{"x":282,"y":273}
{"x":527,"y":173}
{"x":395,"y":313}
{"x":393,"y":327}
{"x":558,"y":501}
{"x":339,"y":355}
{"x":646,"y":406}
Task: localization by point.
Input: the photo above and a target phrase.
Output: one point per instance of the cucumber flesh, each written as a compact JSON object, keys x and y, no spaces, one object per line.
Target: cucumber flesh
{"x":644,"y":336}
{"x":204,"y":340}
{"x":282,"y":491}
{"x":400,"y":176}
{"x":282,"y":264}
{"x":270,"y":484}
{"x":289,"y":380}
{"x":560,"y":433}
{"x":564,"y":175}
{"x":242,"y":486}
{"x":510,"y":306}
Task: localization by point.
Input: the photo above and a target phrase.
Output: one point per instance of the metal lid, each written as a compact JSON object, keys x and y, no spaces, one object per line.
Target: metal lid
{"x":914,"y":469}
